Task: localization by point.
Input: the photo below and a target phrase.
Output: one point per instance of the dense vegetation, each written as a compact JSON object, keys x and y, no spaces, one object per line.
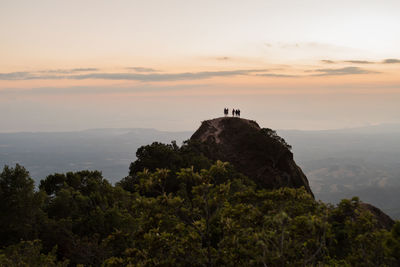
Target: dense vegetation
{"x":177,"y":208}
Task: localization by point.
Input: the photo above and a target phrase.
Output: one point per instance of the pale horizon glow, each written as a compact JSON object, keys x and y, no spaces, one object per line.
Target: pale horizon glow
{"x":168,"y":65}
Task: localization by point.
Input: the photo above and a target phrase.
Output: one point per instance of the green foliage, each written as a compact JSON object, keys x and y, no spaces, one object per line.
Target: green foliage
{"x":393,"y":244}
{"x":164,"y":156}
{"x":264,"y":229}
{"x":188,"y":216}
{"x":83,"y":209}
{"x":169,"y":156}
{"x":28,"y":253}
{"x":84,"y":181}
{"x":20,"y":213}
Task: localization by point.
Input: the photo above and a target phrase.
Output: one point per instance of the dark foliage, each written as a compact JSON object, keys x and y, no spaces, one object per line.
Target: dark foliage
{"x":177,"y":208}
{"x":272,"y":134}
{"x":165,"y":156}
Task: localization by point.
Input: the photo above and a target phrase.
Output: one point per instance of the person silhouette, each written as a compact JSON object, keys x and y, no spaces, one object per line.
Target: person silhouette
{"x":238,"y":111}
{"x":233,"y":112}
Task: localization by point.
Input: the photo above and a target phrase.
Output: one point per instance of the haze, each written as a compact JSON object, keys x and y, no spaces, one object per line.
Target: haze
{"x":73,"y":65}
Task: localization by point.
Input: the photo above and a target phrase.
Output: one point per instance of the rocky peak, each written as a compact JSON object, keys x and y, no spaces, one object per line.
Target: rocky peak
{"x":258,"y":153}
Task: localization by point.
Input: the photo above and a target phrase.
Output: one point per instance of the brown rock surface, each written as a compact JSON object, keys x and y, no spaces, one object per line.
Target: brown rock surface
{"x":263,"y":157}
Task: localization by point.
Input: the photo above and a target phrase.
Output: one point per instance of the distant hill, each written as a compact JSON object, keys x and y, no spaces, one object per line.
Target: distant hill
{"x":362,"y":162}
{"x":108,"y":150}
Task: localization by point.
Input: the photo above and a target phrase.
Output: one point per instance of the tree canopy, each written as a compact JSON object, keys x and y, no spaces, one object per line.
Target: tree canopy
{"x":177,"y":208}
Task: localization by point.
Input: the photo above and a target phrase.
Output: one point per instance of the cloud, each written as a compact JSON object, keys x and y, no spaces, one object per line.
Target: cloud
{"x":341,"y":71}
{"x":359,"y":61}
{"x":156,"y":77}
{"x":327,"y":61}
{"x":93,"y":90}
{"x":386,"y":61}
{"x":143,"y":77}
{"x":223,"y":58}
{"x":391,"y":61}
{"x":14,"y":75}
{"x":291,"y":45}
{"x":69,"y":71}
{"x":84,"y":69}
{"x":141,"y":69}
{"x":276,"y":75}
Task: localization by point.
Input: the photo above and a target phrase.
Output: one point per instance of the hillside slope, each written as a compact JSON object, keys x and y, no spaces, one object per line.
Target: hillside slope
{"x":258,"y":153}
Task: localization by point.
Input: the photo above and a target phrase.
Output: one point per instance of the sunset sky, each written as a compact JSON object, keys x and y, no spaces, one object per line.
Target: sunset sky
{"x":74,"y":65}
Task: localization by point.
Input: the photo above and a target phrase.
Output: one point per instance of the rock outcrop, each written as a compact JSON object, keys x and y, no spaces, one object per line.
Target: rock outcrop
{"x":258,"y":153}
{"x":383,"y":220}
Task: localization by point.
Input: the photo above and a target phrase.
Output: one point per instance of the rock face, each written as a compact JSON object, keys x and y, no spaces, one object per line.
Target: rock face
{"x":384,"y":221}
{"x":258,"y":153}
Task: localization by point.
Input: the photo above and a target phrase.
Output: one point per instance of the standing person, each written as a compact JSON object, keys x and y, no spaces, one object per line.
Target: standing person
{"x":233,"y":112}
{"x":238,"y":112}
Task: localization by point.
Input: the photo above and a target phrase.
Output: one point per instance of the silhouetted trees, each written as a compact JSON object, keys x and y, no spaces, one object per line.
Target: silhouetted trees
{"x":177,"y":208}
{"x":272,"y":134}
{"x":20,"y":206}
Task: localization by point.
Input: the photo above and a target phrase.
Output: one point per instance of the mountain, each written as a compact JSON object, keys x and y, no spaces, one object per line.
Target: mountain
{"x":258,"y":153}
{"x":183,"y":206}
{"x":261,"y":155}
{"x":178,"y":208}
{"x":339,"y":164}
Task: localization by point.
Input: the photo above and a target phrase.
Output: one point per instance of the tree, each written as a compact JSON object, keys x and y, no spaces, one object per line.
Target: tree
{"x":83,"y":210}
{"x":28,"y":253}
{"x":165,"y":156}
{"x":20,"y":213}
{"x":214,"y":216}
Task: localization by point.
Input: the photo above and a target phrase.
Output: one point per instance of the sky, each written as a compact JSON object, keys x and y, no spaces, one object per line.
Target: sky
{"x":310,"y":65}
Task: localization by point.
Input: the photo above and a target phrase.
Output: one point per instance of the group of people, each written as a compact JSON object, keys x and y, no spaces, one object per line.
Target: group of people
{"x":235,"y":112}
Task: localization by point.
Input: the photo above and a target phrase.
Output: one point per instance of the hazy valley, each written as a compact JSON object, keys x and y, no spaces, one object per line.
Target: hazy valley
{"x":362,"y":162}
